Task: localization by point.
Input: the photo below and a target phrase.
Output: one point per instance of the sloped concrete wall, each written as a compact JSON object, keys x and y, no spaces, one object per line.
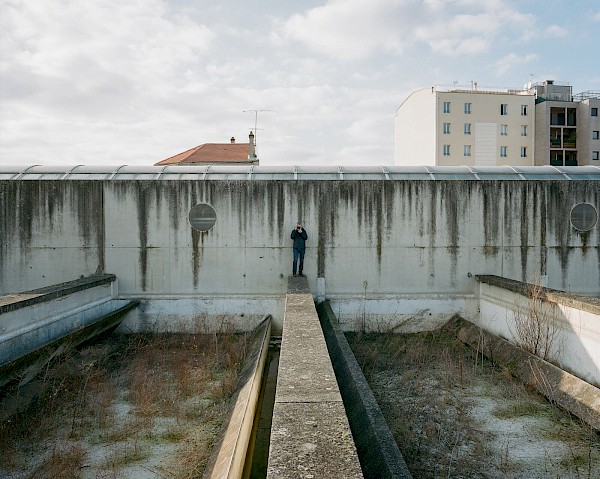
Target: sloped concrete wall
{"x":369,"y":240}
{"x":573,"y":323}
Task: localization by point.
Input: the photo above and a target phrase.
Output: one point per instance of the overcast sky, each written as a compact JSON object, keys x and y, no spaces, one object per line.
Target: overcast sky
{"x":137,"y":81}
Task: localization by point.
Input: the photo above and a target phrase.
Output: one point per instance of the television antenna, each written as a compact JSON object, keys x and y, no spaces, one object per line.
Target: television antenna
{"x":256,"y":112}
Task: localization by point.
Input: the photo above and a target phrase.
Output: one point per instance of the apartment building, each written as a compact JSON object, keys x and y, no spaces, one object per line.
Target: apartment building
{"x":567,"y":125}
{"x":542,"y":124}
{"x":465,"y":126}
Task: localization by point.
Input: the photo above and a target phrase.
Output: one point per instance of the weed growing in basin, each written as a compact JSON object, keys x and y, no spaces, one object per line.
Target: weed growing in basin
{"x":454,"y":414}
{"x":535,"y":325}
{"x":62,"y":463}
{"x":123,"y":401}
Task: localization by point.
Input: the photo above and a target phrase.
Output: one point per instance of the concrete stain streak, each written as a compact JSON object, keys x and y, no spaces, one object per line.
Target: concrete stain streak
{"x":141,"y":193}
{"x":521,"y":227}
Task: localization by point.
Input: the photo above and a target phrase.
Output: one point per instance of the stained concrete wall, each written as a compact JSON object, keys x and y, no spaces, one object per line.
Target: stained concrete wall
{"x":573,"y":322}
{"x":370,"y":240}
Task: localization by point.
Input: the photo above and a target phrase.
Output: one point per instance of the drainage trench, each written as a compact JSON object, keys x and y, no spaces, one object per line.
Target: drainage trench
{"x":258,"y":449}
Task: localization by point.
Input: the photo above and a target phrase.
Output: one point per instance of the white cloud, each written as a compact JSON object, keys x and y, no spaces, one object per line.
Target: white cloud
{"x":137,"y":81}
{"x":512,"y":60}
{"x":556,"y":31}
{"x":351,"y":29}
{"x":97,"y":57}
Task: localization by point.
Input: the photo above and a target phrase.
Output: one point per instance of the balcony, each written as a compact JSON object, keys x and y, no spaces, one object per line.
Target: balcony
{"x":569,"y":138}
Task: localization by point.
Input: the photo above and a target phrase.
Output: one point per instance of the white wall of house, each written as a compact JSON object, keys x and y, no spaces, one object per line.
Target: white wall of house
{"x":415,"y":129}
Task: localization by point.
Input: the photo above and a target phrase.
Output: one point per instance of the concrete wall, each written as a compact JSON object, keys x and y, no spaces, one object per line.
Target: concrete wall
{"x":371,"y":241}
{"x":29,"y":327}
{"x":576,"y":346}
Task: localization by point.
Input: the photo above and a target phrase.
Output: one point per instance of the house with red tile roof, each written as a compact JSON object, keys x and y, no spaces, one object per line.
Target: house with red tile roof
{"x":231,"y":153}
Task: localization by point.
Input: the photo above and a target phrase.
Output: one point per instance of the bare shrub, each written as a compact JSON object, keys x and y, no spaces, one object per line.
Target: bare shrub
{"x":62,"y":463}
{"x":127,"y":395}
{"x":535,"y":325}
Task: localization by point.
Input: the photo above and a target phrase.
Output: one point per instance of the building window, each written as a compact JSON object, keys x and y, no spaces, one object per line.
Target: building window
{"x":584,"y":217}
{"x":504,"y":130}
{"x":467,"y":128}
{"x":446,"y":107}
{"x":202,"y":217}
{"x":595,"y":155}
{"x":467,"y":108}
{"x":503,"y":151}
{"x":446,"y":150}
{"x":571,"y":117}
{"x":523,"y":110}
{"x":467,"y":150}
{"x":595,"y":135}
{"x":446,"y":128}
{"x":594,"y":111}
{"x":504,"y":109}
{"x":523,"y":130}
{"x":523,"y":152}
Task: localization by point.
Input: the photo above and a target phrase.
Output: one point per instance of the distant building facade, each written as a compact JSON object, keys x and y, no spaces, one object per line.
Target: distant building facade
{"x":231,"y":153}
{"x":440,"y":126}
{"x":567,"y":125}
{"x":542,"y":124}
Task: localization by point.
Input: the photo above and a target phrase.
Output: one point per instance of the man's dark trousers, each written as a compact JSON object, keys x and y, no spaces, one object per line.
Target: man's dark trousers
{"x":298,"y":252}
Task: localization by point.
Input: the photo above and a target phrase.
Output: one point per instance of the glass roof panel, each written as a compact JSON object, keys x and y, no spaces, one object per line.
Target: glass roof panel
{"x":364,"y":176}
{"x":410,"y":176}
{"x":226,"y":176}
{"x":318,"y":169}
{"x":43,"y":176}
{"x":498,"y":176}
{"x":272,"y":176}
{"x":288,"y":172}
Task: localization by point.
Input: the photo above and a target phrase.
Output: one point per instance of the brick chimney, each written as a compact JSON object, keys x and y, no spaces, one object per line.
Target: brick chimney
{"x":251,"y":147}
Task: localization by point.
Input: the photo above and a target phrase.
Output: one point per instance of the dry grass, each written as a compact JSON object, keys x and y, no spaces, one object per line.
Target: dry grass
{"x":535,"y":325}
{"x":428,"y":386}
{"x":111,"y":405}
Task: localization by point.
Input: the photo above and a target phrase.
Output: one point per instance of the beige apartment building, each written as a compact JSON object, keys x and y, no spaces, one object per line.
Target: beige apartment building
{"x":445,"y":126}
{"x":567,"y":125}
{"x":542,"y":124}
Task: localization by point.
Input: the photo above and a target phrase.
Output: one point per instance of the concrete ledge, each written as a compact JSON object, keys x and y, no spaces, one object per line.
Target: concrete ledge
{"x":377,"y":449}
{"x":229,"y":456}
{"x":13,"y":302}
{"x":310,"y":434}
{"x":577,"y":301}
{"x":25,"y":368}
{"x":38,"y":318}
{"x":571,"y":393}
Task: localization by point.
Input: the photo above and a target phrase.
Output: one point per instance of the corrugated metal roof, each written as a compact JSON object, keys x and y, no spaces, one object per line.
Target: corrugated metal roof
{"x":246,"y":172}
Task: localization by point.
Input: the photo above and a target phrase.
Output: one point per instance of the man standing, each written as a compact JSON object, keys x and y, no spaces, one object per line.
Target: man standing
{"x":299,"y":236}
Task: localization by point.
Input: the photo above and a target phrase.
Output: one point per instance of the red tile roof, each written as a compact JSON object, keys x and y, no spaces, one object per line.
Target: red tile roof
{"x":208,"y":153}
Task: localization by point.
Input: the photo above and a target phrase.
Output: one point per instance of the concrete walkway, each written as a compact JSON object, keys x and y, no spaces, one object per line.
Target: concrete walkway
{"x":310,"y":434}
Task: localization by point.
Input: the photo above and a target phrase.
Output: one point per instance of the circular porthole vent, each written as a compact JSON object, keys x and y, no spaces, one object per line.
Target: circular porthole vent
{"x":584,"y":217}
{"x":202,"y":217}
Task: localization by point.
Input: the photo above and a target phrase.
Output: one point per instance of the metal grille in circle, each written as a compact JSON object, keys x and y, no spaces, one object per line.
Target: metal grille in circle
{"x":584,"y":216}
{"x":202,"y":217}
